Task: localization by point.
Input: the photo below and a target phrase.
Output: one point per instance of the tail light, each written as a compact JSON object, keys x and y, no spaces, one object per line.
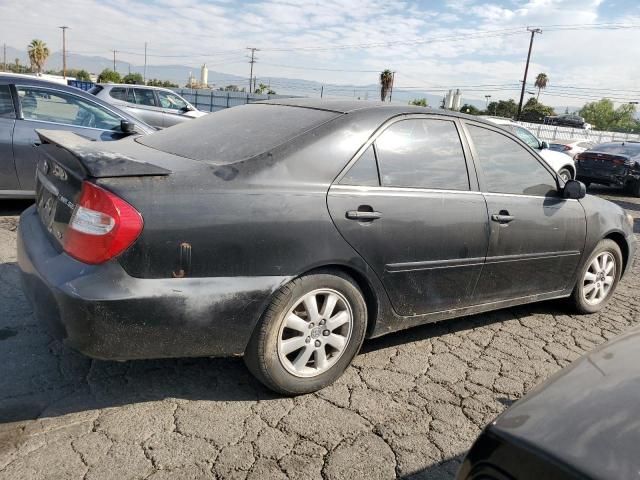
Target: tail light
{"x":566,"y":148}
{"x":102,"y":226}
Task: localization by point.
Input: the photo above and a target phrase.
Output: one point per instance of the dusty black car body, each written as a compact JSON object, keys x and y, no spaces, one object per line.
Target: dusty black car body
{"x":584,"y":422}
{"x":616,"y":164}
{"x":220,"y":237}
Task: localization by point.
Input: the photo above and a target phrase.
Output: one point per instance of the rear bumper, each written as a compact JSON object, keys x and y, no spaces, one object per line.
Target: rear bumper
{"x":104,"y":313}
{"x":619,"y":178}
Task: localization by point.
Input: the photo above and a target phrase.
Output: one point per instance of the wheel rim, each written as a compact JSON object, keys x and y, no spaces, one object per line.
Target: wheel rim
{"x":598,"y":279}
{"x":315,"y":333}
{"x":565,"y":175}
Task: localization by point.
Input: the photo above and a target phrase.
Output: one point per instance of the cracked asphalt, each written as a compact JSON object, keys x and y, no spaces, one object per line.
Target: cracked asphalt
{"x":410,"y":406}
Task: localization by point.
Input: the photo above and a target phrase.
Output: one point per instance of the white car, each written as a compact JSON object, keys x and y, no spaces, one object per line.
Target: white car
{"x":572,"y":147}
{"x":561,"y":163}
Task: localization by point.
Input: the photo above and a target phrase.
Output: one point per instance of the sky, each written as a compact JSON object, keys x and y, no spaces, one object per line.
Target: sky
{"x":477,"y":46}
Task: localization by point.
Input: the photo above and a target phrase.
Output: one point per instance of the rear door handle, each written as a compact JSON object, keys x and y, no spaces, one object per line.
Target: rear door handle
{"x":363,"y":215}
{"x":502,"y":217}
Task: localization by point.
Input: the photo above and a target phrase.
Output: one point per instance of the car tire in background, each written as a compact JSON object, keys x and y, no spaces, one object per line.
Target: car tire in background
{"x":598,"y":278}
{"x":565,"y":174}
{"x":309,"y":334}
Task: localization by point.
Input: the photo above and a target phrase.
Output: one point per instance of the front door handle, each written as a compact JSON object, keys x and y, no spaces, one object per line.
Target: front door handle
{"x":363,"y":215}
{"x":503,"y":217}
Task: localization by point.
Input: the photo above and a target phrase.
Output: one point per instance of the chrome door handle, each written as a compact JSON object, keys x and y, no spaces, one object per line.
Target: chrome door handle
{"x":502,"y":218}
{"x":363,"y":215}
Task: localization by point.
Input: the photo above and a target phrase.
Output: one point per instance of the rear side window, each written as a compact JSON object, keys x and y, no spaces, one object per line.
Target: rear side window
{"x":6,"y":103}
{"x":364,"y":172}
{"x":237,"y":133}
{"x":422,"y":153}
{"x":507,"y":167}
{"x":119,"y":93}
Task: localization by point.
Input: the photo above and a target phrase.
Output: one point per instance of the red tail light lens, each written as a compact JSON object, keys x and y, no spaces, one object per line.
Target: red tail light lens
{"x":102,"y":226}
{"x":566,"y":147}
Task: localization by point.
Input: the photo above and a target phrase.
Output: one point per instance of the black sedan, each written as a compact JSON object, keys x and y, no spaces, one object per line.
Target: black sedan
{"x":583,"y":423}
{"x":614,"y":163}
{"x":289,"y":232}
{"x":27,"y":103}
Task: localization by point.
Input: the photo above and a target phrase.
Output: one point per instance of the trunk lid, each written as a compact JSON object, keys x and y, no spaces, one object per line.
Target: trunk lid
{"x":603,"y":164}
{"x":66,"y":160}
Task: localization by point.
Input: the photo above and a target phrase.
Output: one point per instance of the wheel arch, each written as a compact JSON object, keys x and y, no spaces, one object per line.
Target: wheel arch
{"x":621,"y":241}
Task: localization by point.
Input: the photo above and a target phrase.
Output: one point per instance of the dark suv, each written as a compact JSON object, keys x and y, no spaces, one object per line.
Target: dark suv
{"x":615,"y":163}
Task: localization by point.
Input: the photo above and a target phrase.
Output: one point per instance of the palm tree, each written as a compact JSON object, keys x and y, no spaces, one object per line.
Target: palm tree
{"x":386,"y":82}
{"x":38,"y":53}
{"x":541,"y":83}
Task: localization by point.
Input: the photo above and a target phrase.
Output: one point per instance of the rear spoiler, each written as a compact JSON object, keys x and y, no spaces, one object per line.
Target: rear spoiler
{"x":95,"y":159}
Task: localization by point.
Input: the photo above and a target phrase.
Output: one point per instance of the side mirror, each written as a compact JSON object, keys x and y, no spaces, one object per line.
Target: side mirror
{"x":187,"y":108}
{"x":127,"y":127}
{"x":574,"y":189}
{"x":544,"y":144}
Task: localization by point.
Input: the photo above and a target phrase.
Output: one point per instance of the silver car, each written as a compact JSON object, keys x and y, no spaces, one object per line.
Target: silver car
{"x":158,"y":107}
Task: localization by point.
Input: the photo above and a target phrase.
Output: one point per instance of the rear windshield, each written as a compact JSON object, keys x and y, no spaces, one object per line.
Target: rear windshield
{"x":626,"y":149}
{"x":236,"y":133}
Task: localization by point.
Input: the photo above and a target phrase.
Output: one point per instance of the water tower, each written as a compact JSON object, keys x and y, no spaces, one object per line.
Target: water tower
{"x":204,"y":75}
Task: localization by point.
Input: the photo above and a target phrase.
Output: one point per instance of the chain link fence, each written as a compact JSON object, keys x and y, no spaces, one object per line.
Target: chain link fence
{"x":213,"y":100}
{"x":554,"y":133}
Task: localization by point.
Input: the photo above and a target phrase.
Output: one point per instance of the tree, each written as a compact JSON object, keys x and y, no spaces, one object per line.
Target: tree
{"x":541,"y":83}
{"x":603,"y":116}
{"x":38,"y":54}
{"x":534,"y":111}
{"x":133,"y":79}
{"x":83,"y":75}
{"x":420,"y":102}
{"x":109,"y":76}
{"x":470,"y":109}
{"x":503,"y":108}
{"x":261,"y":88}
{"x":386,"y":82}
{"x":231,"y":88}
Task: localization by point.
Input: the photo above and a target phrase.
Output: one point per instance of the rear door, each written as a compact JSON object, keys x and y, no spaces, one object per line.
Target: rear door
{"x":51,"y":109}
{"x":8,"y":176}
{"x":537,"y":237}
{"x":418,"y":220}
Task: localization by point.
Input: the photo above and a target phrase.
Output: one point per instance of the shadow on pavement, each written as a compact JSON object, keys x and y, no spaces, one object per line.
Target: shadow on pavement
{"x":445,"y":470}
{"x":13,"y":207}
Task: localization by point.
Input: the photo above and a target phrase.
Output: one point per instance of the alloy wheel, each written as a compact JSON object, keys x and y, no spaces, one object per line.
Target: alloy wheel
{"x":315,"y":333}
{"x":598,"y":279}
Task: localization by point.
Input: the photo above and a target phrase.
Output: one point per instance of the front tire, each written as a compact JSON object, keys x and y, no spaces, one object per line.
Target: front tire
{"x":598,"y":278}
{"x":565,"y":174}
{"x":309,"y":334}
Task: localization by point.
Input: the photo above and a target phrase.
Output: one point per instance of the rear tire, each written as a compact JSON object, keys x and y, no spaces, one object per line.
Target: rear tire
{"x":309,"y":334}
{"x":598,"y":278}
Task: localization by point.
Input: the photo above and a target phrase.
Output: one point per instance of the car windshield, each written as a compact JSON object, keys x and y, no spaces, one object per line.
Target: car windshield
{"x":237,"y":133}
{"x":626,"y":149}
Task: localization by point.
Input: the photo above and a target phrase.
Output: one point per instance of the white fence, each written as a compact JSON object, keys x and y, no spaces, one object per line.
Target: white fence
{"x":553,"y":132}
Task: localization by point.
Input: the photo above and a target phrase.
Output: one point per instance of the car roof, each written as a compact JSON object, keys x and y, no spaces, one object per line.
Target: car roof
{"x":133,"y":85}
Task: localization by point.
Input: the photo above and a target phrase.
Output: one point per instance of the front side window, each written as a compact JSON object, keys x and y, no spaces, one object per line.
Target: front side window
{"x":65,"y":108}
{"x":422,"y":153}
{"x":507,"y":167}
{"x":171,"y":101}
{"x":527,"y":137}
{"x":144,"y":96}
{"x":6,"y":103}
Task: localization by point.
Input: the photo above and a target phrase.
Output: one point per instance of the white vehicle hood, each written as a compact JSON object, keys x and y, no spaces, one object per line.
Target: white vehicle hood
{"x":556,"y":160}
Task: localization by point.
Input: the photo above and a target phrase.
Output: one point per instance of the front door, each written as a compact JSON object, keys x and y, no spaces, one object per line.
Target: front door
{"x":537,"y":237}
{"x":51,"y":109}
{"x":417,"y":219}
{"x":173,"y":108}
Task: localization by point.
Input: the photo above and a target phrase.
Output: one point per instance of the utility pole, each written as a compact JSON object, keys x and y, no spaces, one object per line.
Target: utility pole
{"x":144,"y":75}
{"x":526,"y":69}
{"x":64,"y":51}
{"x":4,"y":58}
{"x":393,"y":78}
{"x":114,"y":59}
{"x":487,"y":97}
{"x":252,"y":61}
{"x":321,"y":90}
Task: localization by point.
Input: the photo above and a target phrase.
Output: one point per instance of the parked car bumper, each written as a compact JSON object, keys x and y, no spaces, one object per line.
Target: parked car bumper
{"x":105,"y":313}
{"x":606,"y":178}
